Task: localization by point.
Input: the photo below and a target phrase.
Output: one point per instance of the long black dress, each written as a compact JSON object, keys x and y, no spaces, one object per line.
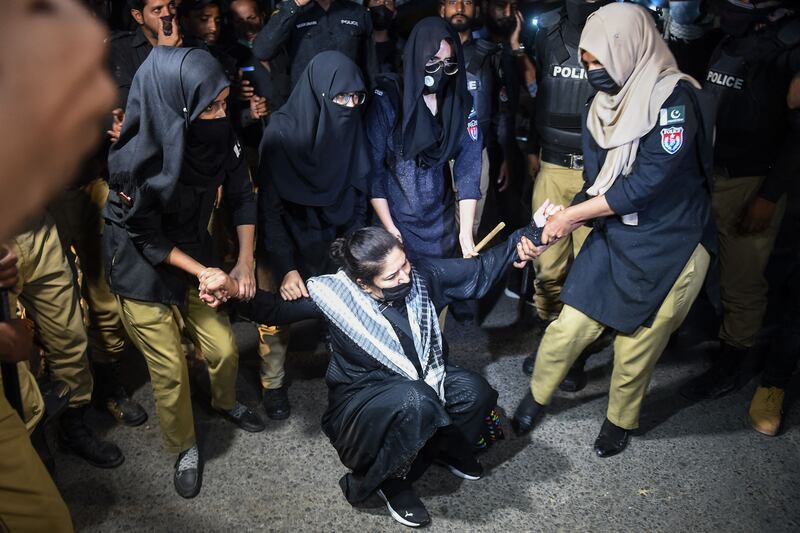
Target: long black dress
{"x":378,"y":420}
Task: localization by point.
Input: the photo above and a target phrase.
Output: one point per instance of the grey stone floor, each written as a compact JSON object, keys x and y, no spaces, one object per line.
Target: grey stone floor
{"x":693,"y":467}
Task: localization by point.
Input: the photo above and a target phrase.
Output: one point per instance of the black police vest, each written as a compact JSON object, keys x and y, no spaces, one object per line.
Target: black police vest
{"x":750,"y":93}
{"x":563,"y":92}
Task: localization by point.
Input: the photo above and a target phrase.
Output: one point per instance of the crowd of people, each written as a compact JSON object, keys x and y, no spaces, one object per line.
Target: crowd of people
{"x":337,"y":162}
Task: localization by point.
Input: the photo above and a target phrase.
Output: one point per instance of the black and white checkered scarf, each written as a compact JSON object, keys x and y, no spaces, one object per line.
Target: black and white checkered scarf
{"x":358,"y":315}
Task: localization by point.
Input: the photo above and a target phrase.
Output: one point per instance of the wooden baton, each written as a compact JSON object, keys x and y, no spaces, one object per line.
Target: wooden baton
{"x":490,"y":236}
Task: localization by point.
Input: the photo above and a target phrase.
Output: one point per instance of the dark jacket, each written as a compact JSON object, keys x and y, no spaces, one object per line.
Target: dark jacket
{"x":127,"y":52}
{"x":137,"y":242}
{"x":308,"y":30}
{"x":623,"y":273}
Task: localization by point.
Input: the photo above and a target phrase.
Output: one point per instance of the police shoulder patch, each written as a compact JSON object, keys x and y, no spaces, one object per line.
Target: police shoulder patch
{"x":472,"y":124}
{"x":472,"y":129}
{"x":672,"y":140}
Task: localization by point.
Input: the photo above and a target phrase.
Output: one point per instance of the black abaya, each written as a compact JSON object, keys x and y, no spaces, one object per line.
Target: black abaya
{"x":377,"y":419}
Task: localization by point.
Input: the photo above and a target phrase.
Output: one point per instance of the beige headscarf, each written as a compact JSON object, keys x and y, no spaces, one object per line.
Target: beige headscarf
{"x":624,"y":38}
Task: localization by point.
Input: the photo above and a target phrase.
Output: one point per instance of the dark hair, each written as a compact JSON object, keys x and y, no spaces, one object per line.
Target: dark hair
{"x":138,"y":5}
{"x":361,"y":254}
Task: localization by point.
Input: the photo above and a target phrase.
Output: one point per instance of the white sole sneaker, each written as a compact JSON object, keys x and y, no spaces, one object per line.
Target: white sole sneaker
{"x":395,"y":514}
{"x":458,"y":473}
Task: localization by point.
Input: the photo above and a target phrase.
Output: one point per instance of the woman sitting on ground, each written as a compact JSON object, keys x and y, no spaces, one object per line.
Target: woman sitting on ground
{"x":395,"y":403}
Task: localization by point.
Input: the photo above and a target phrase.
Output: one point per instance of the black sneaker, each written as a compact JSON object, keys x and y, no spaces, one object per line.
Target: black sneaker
{"x":403,"y":503}
{"x":244,"y":417}
{"x":75,"y":437}
{"x":188,"y":477}
{"x":466,"y":468}
{"x":276,"y":403}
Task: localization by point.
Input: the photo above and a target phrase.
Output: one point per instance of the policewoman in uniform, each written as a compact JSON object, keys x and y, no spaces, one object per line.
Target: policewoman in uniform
{"x":176,"y":148}
{"x":647,"y":156}
{"x":754,"y":161}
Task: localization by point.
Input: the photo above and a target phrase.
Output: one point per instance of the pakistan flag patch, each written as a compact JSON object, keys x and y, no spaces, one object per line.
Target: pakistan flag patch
{"x":672,"y":115}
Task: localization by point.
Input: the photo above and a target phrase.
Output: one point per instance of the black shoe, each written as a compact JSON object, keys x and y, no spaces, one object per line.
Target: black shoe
{"x":528,"y":363}
{"x":723,"y":378}
{"x":611,"y":440}
{"x":125,"y":409}
{"x":109,"y":393}
{"x":188,"y":478}
{"x":276,"y":403}
{"x":244,"y":417}
{"x":466,"y":468}
{"x":526,"y":415}
{"x":76,"y":437}
{"x":403,"y":503}
{"x":576,"y":380}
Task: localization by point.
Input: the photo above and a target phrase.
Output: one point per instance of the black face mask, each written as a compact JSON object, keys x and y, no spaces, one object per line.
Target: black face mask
{"x":435,"y":83}
{"x":214,"y":132}
{"x":736,"y":21}
{"x":382,"y":17}
{"x":601,"y":80}
{"x":579,"y":10}
{"x":397,"y":293}
{"x":502,"y":27}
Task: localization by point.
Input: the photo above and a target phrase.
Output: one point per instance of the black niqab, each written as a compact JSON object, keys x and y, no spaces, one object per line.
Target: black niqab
{"x":430,"y":140}
{"x":169,"y":92}
{"x":314,"y":150}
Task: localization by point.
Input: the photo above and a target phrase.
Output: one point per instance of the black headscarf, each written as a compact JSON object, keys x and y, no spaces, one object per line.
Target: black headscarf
{"x":428,"y":139}
{"x":313,"y":149}
{"x":169,"y":92}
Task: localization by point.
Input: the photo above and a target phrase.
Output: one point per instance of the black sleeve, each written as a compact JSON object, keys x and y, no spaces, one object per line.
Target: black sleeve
{"x":121,"y":69}
{"x":269,"y":308}
{"x":272,"y":235}
{"x":655,"y":166}
{"x":238,"y":189}
{"x":276,"y":32}
{"x":371,"y":67}
{"x":143,"y":222}
{"x":786,"y":165}
{"x":452,"y":280}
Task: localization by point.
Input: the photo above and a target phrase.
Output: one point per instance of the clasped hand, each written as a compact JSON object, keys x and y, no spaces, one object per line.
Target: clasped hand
{"x":526,"y":250}
{"x":216,"y":287}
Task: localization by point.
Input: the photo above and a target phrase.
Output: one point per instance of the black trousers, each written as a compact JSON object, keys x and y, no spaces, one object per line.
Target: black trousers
{"x":784,"y":351}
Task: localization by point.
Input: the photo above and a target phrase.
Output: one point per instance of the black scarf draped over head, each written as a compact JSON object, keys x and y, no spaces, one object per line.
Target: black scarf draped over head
{"x":429,"y":140}
{"x":169,"y":92}
{"x":314,"y":150}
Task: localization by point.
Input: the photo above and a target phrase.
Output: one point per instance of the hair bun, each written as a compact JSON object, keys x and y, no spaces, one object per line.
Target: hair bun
{"x":337,"y":251}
